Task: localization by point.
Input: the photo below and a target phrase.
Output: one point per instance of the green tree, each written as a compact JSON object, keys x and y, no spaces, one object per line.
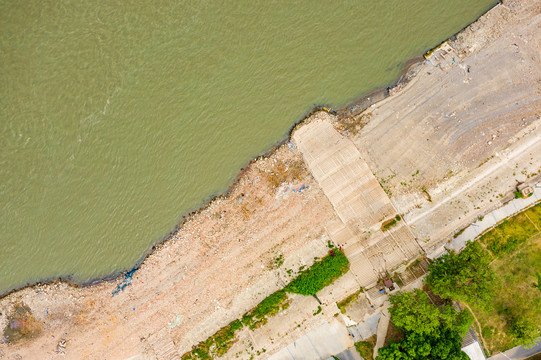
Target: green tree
{"x":442,"y":344}
{"x":432,"y":332}
{"x":465,"y":276}
{"x":458,"y":321}
{"x":413,"y":311}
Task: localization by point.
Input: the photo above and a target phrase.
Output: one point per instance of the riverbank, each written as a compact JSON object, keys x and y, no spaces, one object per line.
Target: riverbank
{"x":87,"y":273}
{"x":219,"y":263}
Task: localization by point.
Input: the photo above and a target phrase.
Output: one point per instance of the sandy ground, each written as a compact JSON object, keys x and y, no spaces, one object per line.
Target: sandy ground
{"x":216,"y":268}
{"x":465,"y":129}
{"x":469,"y":125}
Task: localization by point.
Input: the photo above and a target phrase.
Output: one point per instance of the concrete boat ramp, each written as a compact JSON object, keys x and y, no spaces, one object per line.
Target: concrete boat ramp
{"x":359,"y":201}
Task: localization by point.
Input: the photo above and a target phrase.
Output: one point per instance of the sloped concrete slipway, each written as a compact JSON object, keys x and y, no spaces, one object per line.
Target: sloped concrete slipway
{"x":358,"y":199}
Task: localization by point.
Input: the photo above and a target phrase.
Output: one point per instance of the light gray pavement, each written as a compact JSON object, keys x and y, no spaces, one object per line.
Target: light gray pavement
{"x":494,"y":217}
{"x":474,"y":351}
{"x":369,"y":327}
{"x":320,"y":343}
{"x":518,"y":353}
{"x":349,"y":354}
{"x":383,"y":325}
{"x":365,"y":329}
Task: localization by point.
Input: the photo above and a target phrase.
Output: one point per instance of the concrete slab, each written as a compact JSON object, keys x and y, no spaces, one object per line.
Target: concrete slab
{"x":358,"y":199}
{"x":338,"y":167}
{"x":369,"y":327}
{"x":474,"y":351}
{"x":320,"y":343}
{"x":349,"y":354}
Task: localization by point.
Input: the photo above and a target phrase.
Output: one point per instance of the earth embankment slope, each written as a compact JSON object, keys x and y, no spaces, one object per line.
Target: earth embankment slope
{"x":463,"y":132}
{"x":219,"y":264}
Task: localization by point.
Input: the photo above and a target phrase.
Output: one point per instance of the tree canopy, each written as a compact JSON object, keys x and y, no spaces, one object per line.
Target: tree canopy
{"x":442,"y":344}
{"x":431,"y":332}
{"x":465,"y":276}
{"x":413,"y":311}
{"x":525,"y":330}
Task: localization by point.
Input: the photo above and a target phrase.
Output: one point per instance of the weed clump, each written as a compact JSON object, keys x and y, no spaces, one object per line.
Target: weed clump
{"x":342,"y":305}
{"x":270,"y":306}
{"x":216,"y":345}
{"x":390,"y":223}
{"x":321,"y":274}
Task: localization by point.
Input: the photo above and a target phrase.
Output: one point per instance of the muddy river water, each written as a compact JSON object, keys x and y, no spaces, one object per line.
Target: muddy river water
{"x":119,"y":117}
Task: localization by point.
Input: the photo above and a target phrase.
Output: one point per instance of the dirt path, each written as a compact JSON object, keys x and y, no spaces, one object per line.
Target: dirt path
{"x":479,"y":331}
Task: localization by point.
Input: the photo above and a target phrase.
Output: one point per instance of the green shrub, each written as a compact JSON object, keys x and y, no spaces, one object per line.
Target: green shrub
{"x":320,"y":274}
{"x":366,"y":348}
{"x":270,"y":306}
{"x":525,"y":330}
{"x":390,"y":223}
{"x":216,"y":345}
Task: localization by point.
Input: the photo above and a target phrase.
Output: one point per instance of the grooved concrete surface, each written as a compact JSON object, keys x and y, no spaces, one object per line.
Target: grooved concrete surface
{"x":344,"y":177}
{"x":358,"y":199}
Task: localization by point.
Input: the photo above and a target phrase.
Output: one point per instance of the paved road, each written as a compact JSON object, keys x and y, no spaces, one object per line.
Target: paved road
{"x":518,"y":353}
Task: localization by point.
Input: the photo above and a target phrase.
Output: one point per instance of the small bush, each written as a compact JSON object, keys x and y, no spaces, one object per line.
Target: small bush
{"x":270,"y":306}
{"x":320,"y":274}
{"x":390,"y":223}
{"x":366,"y":348}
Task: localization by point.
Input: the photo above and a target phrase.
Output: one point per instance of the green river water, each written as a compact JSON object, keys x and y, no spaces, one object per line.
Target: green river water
{"x":119,"y":117}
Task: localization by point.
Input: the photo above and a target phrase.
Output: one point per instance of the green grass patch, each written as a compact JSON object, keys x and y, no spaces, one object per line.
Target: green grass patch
{"x":342,"y":305}
{"x":321,"y":274}
{"x":512,"y":232}
{"x":457,"y":234}
{"x":390,"y":223}
{"x":516,"y":313}
{"x":366,"y":348}
{"x":319,"y":309}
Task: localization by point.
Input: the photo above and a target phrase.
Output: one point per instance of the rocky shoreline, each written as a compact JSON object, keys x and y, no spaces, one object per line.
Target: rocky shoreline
{"x":231,"y":240}
{"x":348,"y":111}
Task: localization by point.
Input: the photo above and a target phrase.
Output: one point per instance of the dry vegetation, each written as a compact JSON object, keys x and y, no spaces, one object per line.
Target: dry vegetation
{"x":282,"y":172}
{"x":516,"y":244}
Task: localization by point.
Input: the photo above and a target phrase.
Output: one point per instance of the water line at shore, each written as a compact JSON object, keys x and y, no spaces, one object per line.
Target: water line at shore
{"x":108,"y":108}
